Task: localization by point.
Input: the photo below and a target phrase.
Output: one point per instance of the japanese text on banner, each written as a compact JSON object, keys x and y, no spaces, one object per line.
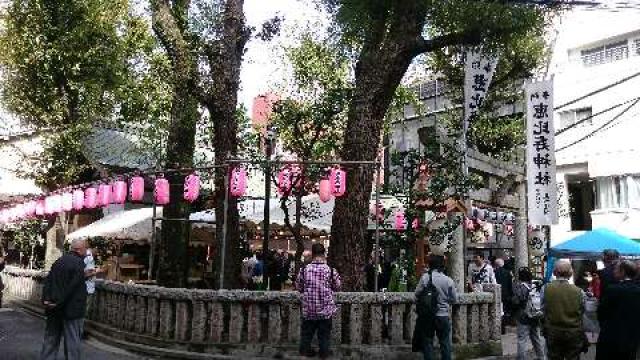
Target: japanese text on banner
{"x":541,"y":164}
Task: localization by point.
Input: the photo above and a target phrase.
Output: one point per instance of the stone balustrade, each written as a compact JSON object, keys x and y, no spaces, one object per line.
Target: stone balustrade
{"x":267,"y":323}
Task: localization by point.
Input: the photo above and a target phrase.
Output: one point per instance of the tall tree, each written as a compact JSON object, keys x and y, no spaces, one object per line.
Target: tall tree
{"x":205,"y":41}
{"x":387,"y":36}
{"x":64,"y":65}
{"x":171,"y":26}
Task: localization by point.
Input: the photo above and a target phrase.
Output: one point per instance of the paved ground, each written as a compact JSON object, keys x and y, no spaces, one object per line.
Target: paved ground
{"x":21,"y":338}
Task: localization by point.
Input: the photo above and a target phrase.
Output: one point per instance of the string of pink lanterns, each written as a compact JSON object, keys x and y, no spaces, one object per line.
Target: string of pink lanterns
{"x":96,"y":196}
{"x":92,"y":196}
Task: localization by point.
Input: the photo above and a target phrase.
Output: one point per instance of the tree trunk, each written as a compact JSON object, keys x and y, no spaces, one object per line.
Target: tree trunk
{"x":225,"y":60}
{"x":173,"y":262}
{"x":169,"y":25}
{"x":382,"y":63}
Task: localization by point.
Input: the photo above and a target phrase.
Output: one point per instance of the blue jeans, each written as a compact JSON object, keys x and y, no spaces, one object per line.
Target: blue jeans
{"x":443,"y":331}
{"x":309,"y":328}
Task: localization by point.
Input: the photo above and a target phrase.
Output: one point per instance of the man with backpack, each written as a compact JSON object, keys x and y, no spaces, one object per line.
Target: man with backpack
{"x":317,"y":282}
{"x":527,"y":306}
{"x":435,"y":294}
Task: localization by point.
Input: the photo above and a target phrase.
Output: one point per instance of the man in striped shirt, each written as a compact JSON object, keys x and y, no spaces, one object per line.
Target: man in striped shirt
{"x":317,"y":283}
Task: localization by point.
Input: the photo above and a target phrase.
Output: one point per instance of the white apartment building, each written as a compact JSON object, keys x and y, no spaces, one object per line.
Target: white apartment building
{"x":599,"y":160}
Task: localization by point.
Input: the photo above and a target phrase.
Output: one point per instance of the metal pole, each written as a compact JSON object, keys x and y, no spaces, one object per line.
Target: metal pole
{"x":377,"y":235}
{"x":267,"y":198}
{"x":152,"y":249}
{"x":223,"y":242}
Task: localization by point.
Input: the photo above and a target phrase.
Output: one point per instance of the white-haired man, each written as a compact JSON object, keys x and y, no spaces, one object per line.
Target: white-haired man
{"x":563,"y":305}
{"x":64,"y":297}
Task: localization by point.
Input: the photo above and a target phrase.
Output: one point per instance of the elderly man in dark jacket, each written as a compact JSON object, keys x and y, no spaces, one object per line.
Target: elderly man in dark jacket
{"x":619,"y":315}
{"x":64,"y":297}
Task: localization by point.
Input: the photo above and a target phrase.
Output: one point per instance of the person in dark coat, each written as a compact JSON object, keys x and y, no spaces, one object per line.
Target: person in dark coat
{"x":65,"y":296}
{"x":505,"y":279}
{"x":1,"y":283}
{"x":619,"y":316}
{"x":607,"y":277}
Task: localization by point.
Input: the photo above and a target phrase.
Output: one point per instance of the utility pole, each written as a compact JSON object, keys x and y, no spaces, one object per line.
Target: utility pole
{"x":268,"y":148}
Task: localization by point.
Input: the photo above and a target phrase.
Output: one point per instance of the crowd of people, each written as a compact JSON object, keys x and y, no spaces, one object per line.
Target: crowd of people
{"x":551,"y":317}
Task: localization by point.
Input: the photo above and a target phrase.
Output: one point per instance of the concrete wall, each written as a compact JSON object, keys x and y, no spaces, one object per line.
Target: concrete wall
{"x":241,"y":323}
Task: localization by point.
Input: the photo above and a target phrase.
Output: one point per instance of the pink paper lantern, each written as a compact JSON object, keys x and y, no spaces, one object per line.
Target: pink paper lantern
{"x":78,"y":199}
{"x":137,"y":188}
{"x":415,"y":224}
{"x":56,"y":203}
{"x":191,"y":188}
{"x":162,"y":191}
{"x":238,"y":182}
{"x":338,"y":179}
{"x":90,"y":198}
{"x":469,"y":224}
{"x":119,"y":192}
{"x":285,"y":181}
{"x":30,"y":209}
{"x":400,"y":222}
{"x":40,"y":207}
{"x":20,"y":212}
{"x":104,"y":195}
{"x":324,"y":190}
{"x":67,"y":201}
{"x":48,"y":205}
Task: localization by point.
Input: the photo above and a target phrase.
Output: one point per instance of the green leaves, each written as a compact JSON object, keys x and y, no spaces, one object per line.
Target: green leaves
{"x":71,"y":63}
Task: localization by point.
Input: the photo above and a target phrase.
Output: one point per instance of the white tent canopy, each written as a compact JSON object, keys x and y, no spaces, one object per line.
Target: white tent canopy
{"x":132,"y":225}
{"x":316,"y":215}
{"x":136,"y":225}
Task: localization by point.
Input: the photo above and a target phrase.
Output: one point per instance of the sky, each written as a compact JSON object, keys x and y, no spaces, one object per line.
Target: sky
{"x":261,"y":68}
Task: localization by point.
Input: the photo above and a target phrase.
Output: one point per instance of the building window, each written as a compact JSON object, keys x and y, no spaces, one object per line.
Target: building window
{"x":636,"y":47}
{"x":618,"y":192}
{"x":605,"y":54}
{"x":581,"y":203}
{"x":568,"y":118}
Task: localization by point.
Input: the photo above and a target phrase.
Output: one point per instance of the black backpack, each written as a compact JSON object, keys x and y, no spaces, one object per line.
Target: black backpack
{"x":427,"y":301}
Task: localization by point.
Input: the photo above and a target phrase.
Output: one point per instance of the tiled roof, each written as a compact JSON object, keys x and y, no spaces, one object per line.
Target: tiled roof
{"x":113,"y":147}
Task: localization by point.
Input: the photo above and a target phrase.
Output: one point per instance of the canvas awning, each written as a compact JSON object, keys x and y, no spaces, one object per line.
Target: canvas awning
{"x":317,"y":215}
{"x":591,"y":244}
{"x":130,"y":225}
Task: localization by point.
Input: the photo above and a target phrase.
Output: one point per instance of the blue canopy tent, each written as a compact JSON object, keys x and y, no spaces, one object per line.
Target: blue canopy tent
{"x":590,"y":246}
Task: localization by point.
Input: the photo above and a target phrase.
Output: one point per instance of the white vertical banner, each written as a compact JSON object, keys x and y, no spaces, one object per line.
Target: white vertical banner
{"x":541,"y":162}
{"x":479,"y":70}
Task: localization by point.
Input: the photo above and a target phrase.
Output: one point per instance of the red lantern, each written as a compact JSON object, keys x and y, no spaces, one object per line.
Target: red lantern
{"x":191,"y":188}
{"x":338,"y":179}
{"x":400,"y":221}
{"x":90,"y":198}
{"x":67,"y":201}
{"x":324,"y":190}
{"x":119,"y":192}
{"x":40,"y":207}
{"x":78,"y":199}
{"x":238,"y":182}
{"x":162,"y":191}
{"x":137,"y":188}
